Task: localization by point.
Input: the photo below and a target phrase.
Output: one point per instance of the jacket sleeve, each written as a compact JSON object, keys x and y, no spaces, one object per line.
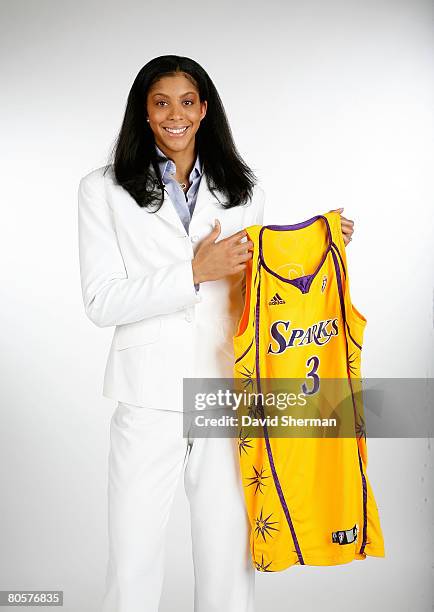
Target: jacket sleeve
{"x":259,"y":218}
{"x":110,"y":297}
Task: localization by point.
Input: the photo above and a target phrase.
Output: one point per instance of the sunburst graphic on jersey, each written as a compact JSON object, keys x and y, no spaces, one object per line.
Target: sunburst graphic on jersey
{"x":257,"y":479}
{"x":244,"y":442}
{"x":360,"y":427}
{"x":261,"y":567}
{"x":352,"y":362}
{"x":247,"y":376}
{"x":255,"y":410}
{"x":290,"y":270}
{"x":264,"y":526}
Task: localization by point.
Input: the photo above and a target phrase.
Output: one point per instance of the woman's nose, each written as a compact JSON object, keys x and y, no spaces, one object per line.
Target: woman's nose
{"x":176,"y":112}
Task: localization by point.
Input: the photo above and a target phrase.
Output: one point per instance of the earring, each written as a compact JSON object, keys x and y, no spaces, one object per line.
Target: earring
{"x":147,"y":119}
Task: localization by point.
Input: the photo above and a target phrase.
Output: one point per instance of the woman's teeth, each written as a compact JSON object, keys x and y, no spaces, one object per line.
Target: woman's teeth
{"x":176,"y":130}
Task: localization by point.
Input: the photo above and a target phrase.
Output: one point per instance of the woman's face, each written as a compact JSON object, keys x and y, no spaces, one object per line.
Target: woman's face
{"x":175,"y":112}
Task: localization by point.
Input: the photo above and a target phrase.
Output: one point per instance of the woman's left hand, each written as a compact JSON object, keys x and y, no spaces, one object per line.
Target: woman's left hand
{"x":347,"y":227}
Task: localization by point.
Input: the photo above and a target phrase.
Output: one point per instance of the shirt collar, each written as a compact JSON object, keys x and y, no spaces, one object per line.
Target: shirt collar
{"x":167,"y":166}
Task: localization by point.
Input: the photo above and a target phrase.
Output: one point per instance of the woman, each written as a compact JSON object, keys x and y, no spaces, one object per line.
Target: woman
{"x":157,"y":263}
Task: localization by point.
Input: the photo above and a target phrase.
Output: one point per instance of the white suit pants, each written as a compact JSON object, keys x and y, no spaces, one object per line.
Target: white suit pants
{"x":148,"y":455}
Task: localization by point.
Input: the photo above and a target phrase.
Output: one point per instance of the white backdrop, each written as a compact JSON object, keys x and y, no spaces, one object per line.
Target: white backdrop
{"x":333,"y":99}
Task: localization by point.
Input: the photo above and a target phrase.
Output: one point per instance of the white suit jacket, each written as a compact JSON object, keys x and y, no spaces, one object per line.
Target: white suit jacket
{"x":136,"y":274}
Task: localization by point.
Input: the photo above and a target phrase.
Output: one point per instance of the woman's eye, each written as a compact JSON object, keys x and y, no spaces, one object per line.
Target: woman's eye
{"x":163,"y":102}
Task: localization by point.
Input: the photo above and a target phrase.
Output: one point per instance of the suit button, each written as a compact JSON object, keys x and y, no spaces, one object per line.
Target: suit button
{"x":194,"y":238}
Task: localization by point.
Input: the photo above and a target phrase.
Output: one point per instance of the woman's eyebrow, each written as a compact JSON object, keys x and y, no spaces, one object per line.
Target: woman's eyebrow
{"x":187,"y":93}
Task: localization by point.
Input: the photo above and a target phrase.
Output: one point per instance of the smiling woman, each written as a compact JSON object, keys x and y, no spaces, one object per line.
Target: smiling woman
{"x":175,"y":111}
{"x":172,"y":97}
{"x":170,"y":280}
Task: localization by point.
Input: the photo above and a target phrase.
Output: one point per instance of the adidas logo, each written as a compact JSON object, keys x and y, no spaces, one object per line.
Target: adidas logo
{"x":276,"y":299}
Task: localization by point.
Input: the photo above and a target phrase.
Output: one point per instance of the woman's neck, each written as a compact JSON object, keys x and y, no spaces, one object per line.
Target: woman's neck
{"x":184,"y":161}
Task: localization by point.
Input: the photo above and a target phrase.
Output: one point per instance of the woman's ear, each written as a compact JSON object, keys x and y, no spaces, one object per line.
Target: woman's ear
{"x":203,"y":109}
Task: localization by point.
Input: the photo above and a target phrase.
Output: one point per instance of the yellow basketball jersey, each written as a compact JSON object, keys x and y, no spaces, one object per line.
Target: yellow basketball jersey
{"x":309,"y":499}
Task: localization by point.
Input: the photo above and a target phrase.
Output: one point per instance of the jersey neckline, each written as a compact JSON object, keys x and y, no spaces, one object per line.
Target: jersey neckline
{"x":302,"y":283}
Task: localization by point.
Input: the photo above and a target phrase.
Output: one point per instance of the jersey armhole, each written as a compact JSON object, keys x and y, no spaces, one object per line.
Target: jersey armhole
{"x":354,"y":316}
{"x":252,"y":265}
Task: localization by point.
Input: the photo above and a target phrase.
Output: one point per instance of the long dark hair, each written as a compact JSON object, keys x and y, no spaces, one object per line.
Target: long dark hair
{"x":135,"y":157}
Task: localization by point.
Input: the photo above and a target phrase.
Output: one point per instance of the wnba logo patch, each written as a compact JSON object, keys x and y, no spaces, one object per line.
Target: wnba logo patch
{"x":324,"y":283}
{"x":345,"y":537}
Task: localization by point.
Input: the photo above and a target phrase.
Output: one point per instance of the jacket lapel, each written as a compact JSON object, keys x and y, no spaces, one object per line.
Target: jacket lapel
{"x":205,"y":200}
{"x":168,"y":212}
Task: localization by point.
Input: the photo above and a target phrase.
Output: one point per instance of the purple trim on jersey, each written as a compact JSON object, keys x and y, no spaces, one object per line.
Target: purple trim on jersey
{"x":364,"y":489}
{"x":265,"y":428}
{"x":349,"y":333}
{"x":245,"y":352}
{"x":365,"y":501}
{"x":340,"y":257}
{"x":302,"y":282}
{"x":345,"y":274}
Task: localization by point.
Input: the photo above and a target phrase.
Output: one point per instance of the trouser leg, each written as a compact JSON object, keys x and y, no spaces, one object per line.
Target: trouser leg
{"x":146,"y":458}
{"x":224,"y":573}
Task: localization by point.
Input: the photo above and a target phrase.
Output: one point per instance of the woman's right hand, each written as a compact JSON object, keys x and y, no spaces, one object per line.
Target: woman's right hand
{"x":214,"y":260}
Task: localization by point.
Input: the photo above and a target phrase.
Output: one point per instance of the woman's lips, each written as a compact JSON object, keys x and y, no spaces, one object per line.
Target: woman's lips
{"x":176,"y":132}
